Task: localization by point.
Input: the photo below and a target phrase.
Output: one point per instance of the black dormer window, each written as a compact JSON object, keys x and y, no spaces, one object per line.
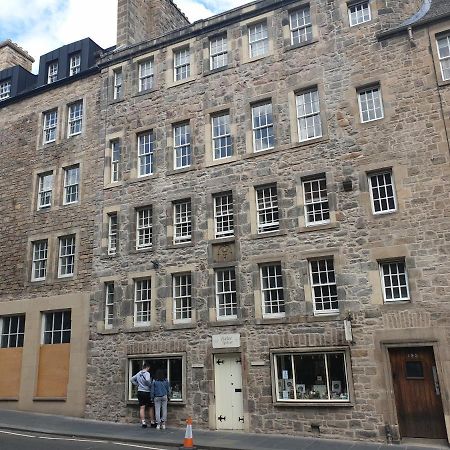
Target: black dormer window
{"x":5,"y":89}
{"x":75,"y":64}
{"x":52,"y":72}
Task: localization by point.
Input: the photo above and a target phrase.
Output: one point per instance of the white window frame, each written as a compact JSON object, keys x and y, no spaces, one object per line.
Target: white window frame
{"x":75,"y":119}
{"x":226,"y":297}
{"x":52,"y":72}
{"x":371,"y":187}
{"x":222,"y":144}
{"x":113,"y":232}
{"x":181,"y":64}
{"x":394,"y":276}
{"x":49,"y":126}
{"x":109,"y":304}
{"x":116,"y":153}
{"x":323,"y":286}
{"x":147,"y":299}
{"x":146,"y":147}
{"x":117,"y":83}
{"x":444,"y":60}
{"x":45,"y":190}
{"x":301,"y":30}
{"x":267,"y":204}
{"x":309,"y":121}
{"x":182,"y":148}
{"x":269,"y":290}
{"x":144,"y":228}
{"x":51,"y":314}
{"x":6,"y":332}
{"x":182,"y":297}
{"x":75,"y":64}
{"x":223,"y":215}
{"x":318,"y":202}
{"x":260,"y":111}
{"x":39,"y":260}
{"x":182,"y":222}
{"x":5,"y":89}
{"x":370,"y":99}
{"x":218,"y":52}
{"x":258,"y":39}
{"x":146,"y":75}
{"x":356,"y":11}
{"x":71,"y":185}
{"x":66,"y":258}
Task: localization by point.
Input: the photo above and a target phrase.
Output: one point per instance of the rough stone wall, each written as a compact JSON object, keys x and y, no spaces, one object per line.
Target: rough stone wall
{"x":11,"y":55}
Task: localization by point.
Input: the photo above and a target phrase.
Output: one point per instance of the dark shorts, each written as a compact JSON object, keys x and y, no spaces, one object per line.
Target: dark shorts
{"x":144,"y":398}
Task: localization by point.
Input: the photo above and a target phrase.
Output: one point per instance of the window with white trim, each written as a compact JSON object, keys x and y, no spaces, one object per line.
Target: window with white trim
{"x":12,"y":331}
{"x":52,"y":72}
{"x":267,"y":209}
{"x":66,"y":259}
{"x":39,"y":264}
{"x":218,"y":50}
{"x":221,"y":136}
{"x":394,"y":281}
{"x":144,"y":228}
{"x":223,"y":215}
{"x":370,"y":104}
{"x":49,"y":129}
{"x":443,"y":45}
{"x":308,"y":115}
{"x":45,"y":182}
{"x":75,"y":118}
{"x":258,"y":39}
{"x":112,"y":233}
{"x":182,"y":145}
{"x":181,"y":64}
{"x":226,"y":298}
{"x":300,"y":25}
{"x":359,"y":12}
{"x":182,"y":297}
{"x":262,"y":125}
{"x":382,"y":192}
{"x":71,"y":184}
{"x":146,"y":144}
{"x":109,"y":305}
{"x":172,"y":366}
{"x":317,"y":208}
{"x":75,"y":64}
{"x":311,"y":377}
{"x":142,"y":301}
{"x":272,"y":294}
{"x":5,"y":89}
{"x":323,"y":286}
{"x":182,"y":222}
{"x":146,"y":75}
{"x":57,"y":327}
{"x":115,"y":161}
{"x":118,"y":84}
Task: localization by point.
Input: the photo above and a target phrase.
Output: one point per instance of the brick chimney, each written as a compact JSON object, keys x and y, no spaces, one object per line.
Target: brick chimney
{"x":12,"y":55}
{"x":143,"y":20}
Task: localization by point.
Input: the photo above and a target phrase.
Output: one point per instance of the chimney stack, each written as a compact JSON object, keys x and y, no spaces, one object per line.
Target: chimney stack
{"x":12,"y":55}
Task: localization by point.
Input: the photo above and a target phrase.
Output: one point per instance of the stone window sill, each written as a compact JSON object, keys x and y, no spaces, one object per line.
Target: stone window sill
{"x":173,"y":83}
{"x":225,"y":323}
{"x":321,"y":227}
{"x":137,"y":251}
{"x":183,"y":245}
{"x":181,"y":170}
{"x":317,"y":140}
{"x":269,"y":151}
{"x":300,"y":45}
{"x":399,"y":304}
{"x":218,"y":162}
{"x":181,"y":326}
{"x":150,"y":176}
{"x":269,"y":234}
{"x":208,"y":72}
{"x":249,"y":59}
{"x":225,"y":240}
{"x":143,"y":93}
{"x":9,"y":399}
{"x":330,"y":404}
{"x":113,"y":185}
{"x":108,"y":331}
{"x":114,"y":101}
{"x":49,"y":399}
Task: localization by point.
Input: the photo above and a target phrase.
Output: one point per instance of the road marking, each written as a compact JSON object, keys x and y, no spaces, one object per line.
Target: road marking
{"x":17,"y":434}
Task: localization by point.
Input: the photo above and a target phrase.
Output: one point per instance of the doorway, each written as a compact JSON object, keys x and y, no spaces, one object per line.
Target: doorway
{"x":228,"y":391}
{"x":417,"y":393}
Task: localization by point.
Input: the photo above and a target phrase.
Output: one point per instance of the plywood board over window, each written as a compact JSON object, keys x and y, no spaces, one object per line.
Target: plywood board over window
{"x":11,"y":366}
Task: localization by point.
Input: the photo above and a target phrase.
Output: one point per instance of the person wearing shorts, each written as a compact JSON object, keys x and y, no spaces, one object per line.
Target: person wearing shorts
{"x":143,"y":382}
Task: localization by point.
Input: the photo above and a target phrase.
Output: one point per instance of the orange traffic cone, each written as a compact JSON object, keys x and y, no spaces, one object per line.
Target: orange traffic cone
{"x":188,"y":442}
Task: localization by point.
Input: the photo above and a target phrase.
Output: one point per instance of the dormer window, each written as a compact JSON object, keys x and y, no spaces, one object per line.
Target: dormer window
{"x":5,"y":89}
{"x":75,"y":64}
{"x":52,"y":72}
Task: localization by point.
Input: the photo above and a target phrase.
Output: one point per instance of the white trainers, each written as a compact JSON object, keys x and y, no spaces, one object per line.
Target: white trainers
{"x":163,"y":426}
{"x":158,"y":427}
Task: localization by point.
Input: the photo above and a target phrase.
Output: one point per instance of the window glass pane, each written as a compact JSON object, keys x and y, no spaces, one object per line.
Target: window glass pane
{"x":337,"y":376}
{"x":414,"y":369}
{"x":285,"y":377}
{"x":311,"y":379}
{"x":176,"y":378}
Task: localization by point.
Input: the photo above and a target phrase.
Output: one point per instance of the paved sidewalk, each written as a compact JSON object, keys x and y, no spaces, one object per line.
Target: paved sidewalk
{"x":213,"y":440}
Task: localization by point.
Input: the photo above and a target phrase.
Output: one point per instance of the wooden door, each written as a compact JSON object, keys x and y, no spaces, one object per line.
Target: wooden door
{"x":228,"y":392}
{"x":417,"y":392}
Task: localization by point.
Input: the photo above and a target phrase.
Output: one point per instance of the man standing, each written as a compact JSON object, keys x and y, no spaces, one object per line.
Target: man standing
{"x":143,"y":382}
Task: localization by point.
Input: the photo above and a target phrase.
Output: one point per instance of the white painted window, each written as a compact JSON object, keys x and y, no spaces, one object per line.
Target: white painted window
{"x":382,"y":192}
{"x":443,"y":45}
{"x":75,"y":64}
{"x":221,"y":136}
{"x":182,"y":145}
{"x":323,"y":285}
{"x":115,"y":161}
{"x":52,"y":72}
{"x":300,"y":25}
{"x":146,"y":75}
{"x":262,"y":124}
{"x":311,"y":377}
{"x":218,"y":49}
{"x":12,"y":331}
{"x":112,"y":233}
{"x":75,"y":118}
{"x":109,"y":305}
{"x":181,"y":64}
{"x":39,"y":264}
{"x":272,"y":294}
{"x":370,"y":104}
{"x":142,"y":301}
{"x":50,"y":123}
{"x":258,"y":38}
{"x":45,"y":189}
{"x":71,"y":185}
{"x":57,"y":327}
{"x":182,"y":298}
{"x":226,"y":299}
{"x":182,"y":222}
{"x":308,"y":115}
{"x":118,"y":83}
{"x":359,"y":12}
{"x":223,"y":215}
{"x":144,"y":228}
{"x":267,"y":209}
{"x":394,"y":281}
{"x":146,"y":144}
{"x":317,"y":209}
{"x":66,"y":260}
{"x":5,"y":89}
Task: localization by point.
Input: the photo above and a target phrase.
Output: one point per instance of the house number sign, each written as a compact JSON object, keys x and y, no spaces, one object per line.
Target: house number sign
{"x":226,"y":340}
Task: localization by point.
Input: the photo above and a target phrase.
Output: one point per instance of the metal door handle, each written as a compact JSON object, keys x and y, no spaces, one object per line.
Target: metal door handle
{"x":238,"y":390}
{"x":436,"y":381}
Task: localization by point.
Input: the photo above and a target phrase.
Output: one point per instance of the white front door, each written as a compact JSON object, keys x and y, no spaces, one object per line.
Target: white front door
{"x":228,"y":391}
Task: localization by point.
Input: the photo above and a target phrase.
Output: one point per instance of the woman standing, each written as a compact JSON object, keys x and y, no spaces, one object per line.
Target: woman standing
{"x":160,"y":392}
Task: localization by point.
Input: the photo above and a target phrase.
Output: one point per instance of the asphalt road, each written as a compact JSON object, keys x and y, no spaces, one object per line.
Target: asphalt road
{"x":30,"y":441}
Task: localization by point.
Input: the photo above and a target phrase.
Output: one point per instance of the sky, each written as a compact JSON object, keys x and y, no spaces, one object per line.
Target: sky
{"x":39,"y":26}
